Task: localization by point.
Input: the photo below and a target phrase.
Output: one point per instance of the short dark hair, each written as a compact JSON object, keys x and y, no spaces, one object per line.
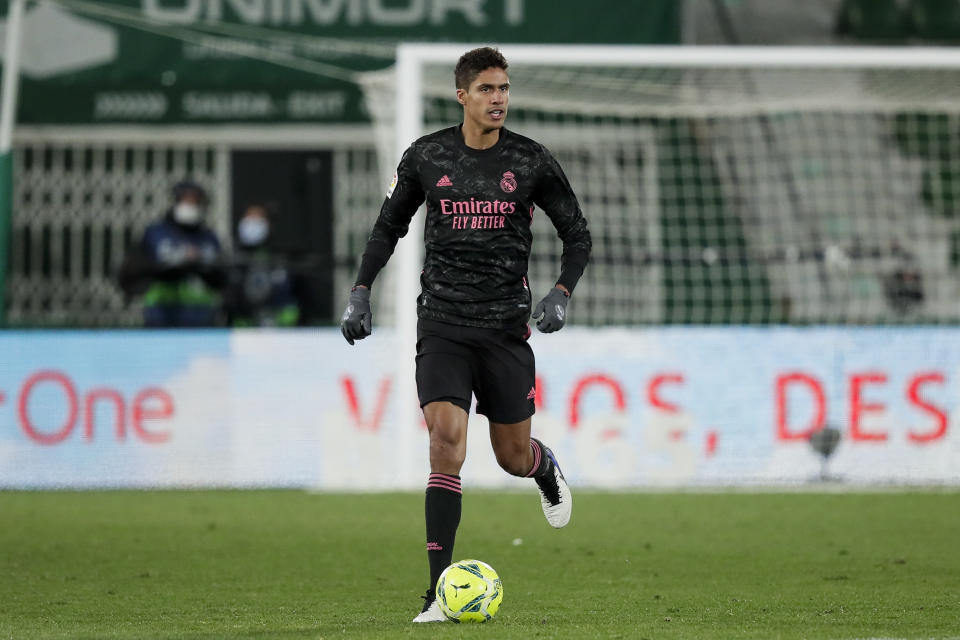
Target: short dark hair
{"x":185,"y":186}
{"x":473,"y":62}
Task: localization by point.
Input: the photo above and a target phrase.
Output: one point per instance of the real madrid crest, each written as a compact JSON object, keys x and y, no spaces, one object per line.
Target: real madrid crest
{"x":508,"y":183}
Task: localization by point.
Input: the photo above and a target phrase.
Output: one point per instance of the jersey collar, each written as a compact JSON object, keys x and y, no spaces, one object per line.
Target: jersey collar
{"x":458,"y":134}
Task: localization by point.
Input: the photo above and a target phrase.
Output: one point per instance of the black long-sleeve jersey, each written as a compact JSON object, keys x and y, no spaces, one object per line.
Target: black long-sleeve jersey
{"x":477,"y":237}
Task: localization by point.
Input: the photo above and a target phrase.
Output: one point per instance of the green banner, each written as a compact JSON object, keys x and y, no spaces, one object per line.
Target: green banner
{"x":6,"y":217}
{"x":202,"y":61}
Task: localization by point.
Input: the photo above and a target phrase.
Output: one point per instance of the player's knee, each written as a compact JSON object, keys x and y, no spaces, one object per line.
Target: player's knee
{"x":446,"y":450}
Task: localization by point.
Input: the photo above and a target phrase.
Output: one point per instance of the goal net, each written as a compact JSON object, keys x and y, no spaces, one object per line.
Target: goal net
{"x":727,"y":185}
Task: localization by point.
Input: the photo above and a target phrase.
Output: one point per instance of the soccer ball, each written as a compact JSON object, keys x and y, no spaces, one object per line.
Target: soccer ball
{"x":469,"y":591}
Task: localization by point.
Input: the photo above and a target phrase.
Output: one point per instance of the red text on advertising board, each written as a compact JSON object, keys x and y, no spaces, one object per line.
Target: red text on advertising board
{"x":866,"y":391}
{"x":148,"y":405}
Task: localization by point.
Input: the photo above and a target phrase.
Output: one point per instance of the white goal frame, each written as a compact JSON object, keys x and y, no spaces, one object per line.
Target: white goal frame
{"x":411,"y":58}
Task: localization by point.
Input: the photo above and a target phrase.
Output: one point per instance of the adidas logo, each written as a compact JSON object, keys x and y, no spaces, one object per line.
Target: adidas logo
{"x":532,"y":394}
{"x":444,"y":182}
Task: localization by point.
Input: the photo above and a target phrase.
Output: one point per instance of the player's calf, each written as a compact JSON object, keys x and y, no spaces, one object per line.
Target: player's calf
{"x":515,"y":458}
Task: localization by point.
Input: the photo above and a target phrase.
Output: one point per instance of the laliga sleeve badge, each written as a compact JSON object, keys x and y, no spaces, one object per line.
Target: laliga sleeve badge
{"x":393,"y":185}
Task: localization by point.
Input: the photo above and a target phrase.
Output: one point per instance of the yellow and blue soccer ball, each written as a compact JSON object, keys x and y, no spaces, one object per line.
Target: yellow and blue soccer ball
{"x":469,"y":591}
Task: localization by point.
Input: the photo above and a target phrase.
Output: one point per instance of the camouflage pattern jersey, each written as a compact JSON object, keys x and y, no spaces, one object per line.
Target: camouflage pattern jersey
{"x":477,"y":236}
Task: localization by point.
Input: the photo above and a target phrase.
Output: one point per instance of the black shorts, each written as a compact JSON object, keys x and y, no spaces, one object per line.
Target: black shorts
{"x":497,"y":365}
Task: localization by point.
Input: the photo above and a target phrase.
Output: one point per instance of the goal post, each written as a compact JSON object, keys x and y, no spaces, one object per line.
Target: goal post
{"x":772,"y":184}
{"x":8,"y":108}
{"x":722,"y":125}
{"x":724,"y":185}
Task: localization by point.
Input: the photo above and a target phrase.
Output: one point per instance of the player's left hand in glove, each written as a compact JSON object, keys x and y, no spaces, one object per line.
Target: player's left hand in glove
{"x":553,"y":308}
{"x":357,"y":320}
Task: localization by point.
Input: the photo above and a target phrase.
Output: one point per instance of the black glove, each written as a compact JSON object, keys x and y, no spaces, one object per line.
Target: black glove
{"x":357,"y":319}
{"x":553,"y":308}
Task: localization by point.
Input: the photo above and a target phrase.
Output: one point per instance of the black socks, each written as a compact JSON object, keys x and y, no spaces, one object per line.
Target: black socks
{"x":541,"y":461}
{"x":442,"y":507}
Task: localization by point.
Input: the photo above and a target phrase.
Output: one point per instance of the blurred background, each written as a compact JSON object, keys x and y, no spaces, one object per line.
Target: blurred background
{"x":773,"y":295}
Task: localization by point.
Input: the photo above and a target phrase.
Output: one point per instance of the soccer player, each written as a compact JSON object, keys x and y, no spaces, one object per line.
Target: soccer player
{"x":481,"y":182}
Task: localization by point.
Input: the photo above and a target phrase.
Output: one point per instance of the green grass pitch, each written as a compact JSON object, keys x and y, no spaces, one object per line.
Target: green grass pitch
{"x":287,"y":564}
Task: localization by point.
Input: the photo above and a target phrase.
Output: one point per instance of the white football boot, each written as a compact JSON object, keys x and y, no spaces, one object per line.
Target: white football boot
{"x":431,"y":611}
{"x":555,"y":495}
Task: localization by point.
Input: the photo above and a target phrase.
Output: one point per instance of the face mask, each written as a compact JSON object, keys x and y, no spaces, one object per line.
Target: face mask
{"x":253,"y":231}
{"x":187,"y":213}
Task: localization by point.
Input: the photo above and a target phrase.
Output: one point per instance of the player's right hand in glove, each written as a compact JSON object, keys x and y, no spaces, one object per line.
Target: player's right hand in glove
{"x":553,"y":308}
{"x":357,"y":320}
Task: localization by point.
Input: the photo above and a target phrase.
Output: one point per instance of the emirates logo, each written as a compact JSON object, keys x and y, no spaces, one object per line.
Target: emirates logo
{"x":507,"y":183}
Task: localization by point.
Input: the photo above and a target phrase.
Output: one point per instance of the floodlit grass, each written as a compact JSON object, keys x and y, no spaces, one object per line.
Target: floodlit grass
{"x":283,"y":564}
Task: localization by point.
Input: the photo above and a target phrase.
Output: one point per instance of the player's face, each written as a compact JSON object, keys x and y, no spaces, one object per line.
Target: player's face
{"x":485,"y":101}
